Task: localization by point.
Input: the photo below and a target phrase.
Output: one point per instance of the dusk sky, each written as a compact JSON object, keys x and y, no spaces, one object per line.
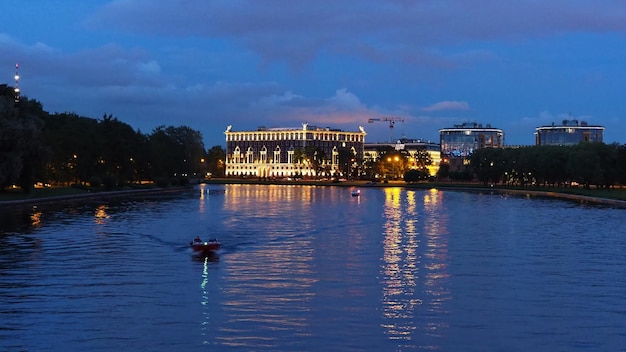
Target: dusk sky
{"x":208,"y":64}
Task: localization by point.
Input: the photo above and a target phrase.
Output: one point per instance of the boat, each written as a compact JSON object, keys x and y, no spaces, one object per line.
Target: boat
{"x":356,"y":192}
{"x":204,"y":247}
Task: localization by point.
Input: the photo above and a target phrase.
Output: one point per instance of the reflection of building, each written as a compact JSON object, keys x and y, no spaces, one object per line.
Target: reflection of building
{"x":411,"y":146}
{"x":460,"y":141}
{"x":274,"y":152}
{"x":569,"y":133}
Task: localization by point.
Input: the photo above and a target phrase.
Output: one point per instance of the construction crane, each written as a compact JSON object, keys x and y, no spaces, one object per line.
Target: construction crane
{"x":392,"y":121}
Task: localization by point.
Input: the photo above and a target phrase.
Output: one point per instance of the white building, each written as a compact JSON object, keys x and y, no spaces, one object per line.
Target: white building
{"x":282,"y":152}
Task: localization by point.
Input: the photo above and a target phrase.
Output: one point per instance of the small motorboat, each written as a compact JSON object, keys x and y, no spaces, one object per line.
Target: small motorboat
{"x":204,"y":247}
{"x":356,"y":192}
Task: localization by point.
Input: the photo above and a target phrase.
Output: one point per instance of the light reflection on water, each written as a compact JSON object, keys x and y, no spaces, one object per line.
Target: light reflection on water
{"x":414,"y":266}
{"x":314,"y":268}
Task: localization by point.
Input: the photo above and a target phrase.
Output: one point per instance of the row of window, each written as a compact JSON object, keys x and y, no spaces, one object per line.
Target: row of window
{"x":567,"y":136}
{"x":274,"y":136}
{"x":248,"y":158}
{"x":273,"y":167}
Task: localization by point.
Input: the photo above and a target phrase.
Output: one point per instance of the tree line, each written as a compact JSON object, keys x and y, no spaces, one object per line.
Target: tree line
{"x":587,"y":164}
{"x":68,"y":149}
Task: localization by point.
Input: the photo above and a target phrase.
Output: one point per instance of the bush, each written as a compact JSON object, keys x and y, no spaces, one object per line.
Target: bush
{"x":416,"y":176}
{"x":162,"y":182}
{"x":183,"y":181}
{"x":109,"y":181}
{"x":95,"y":181}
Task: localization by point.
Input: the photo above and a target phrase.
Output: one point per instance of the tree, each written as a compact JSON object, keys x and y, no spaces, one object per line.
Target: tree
{"x":215,"y":160}
{"x":176,"y":152}
{"x":620,"y":161}
{"x":345,"y":159}
{"x":584,"y":164}
{"x":120,"y":155}
{"x":416,"y":175}
{"x":22,"y":152}
{"x":488,"y":164}
{"x":394,"y":164}
{"x":444,"y":170}
{"x":551,"y":164}
{"x":422,"y":159}
{"x":313,"y":156}
{"x":76,"y":145}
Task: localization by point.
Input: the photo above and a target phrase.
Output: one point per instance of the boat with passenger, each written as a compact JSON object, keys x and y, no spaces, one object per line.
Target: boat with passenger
{"x":204,"y":247}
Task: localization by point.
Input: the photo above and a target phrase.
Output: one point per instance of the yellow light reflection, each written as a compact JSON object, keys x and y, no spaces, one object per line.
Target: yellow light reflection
{"x":35,"y":218}
{"x":261,"y":285}
{"x":414,"y":264}
{"x":203,"y":192}
{"x":247,"y":196}
{"x":101,"y":215}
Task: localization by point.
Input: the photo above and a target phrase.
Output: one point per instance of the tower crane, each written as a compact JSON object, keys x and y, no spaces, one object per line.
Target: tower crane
{"x":392,"y":121}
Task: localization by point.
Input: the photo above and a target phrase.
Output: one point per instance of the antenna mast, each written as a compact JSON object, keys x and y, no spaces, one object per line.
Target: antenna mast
{"x":17,"y":87}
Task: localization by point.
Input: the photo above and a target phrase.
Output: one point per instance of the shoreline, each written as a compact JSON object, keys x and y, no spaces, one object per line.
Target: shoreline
{"x":545,"y":194}
{"x":132,"y":193}
{"x":451,"y":187}
{"x":104,"y":196}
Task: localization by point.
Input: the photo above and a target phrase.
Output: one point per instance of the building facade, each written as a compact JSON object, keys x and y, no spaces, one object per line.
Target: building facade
{"x":459,"y":142}
{"x":462,"y":140}
{"x":278,"y":152}
{"x":412,"y":147}
{"x":571,"y":132}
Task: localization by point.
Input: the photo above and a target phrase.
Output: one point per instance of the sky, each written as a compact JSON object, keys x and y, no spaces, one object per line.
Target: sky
{"x":430,"y":64}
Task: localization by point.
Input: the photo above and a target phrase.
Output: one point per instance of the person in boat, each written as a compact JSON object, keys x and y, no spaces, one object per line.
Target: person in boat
{"x":197,"y":240}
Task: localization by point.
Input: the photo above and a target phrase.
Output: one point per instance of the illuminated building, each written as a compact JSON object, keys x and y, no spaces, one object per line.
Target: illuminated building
{"x":459,"y":142}
{"x":569,"y":133}
{"x":462,"y":140}
{"x":411,"y":146}
{"x":277,"y":152}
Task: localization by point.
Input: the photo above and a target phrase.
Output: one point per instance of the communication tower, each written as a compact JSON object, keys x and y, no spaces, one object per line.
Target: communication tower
{"x":17,"y":87}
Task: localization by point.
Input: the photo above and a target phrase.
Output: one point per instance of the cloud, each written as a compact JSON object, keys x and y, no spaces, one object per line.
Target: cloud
{"x":296,"y":32}
{"x":447,"y":105}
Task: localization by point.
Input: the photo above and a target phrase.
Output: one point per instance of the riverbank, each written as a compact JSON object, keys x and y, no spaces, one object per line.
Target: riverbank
{"x":614,"y":197}
{"x":51,"y":198}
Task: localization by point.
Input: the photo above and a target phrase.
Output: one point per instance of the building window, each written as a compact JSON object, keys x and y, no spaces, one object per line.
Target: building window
{"x":290,"y":155}
{"x":277,"y":155}
{"x":237,"y":155}
{"x":249,"y":156}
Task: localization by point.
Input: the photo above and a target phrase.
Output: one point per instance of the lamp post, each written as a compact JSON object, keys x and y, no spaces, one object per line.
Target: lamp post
{"x":396,"y":159}
{"x":393,"y":162}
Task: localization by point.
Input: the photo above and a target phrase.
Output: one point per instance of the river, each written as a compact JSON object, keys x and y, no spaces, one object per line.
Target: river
{"x":306,"y":268}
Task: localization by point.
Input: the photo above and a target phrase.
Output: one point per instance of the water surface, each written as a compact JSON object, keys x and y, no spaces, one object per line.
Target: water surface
{"x":307,"y":268}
